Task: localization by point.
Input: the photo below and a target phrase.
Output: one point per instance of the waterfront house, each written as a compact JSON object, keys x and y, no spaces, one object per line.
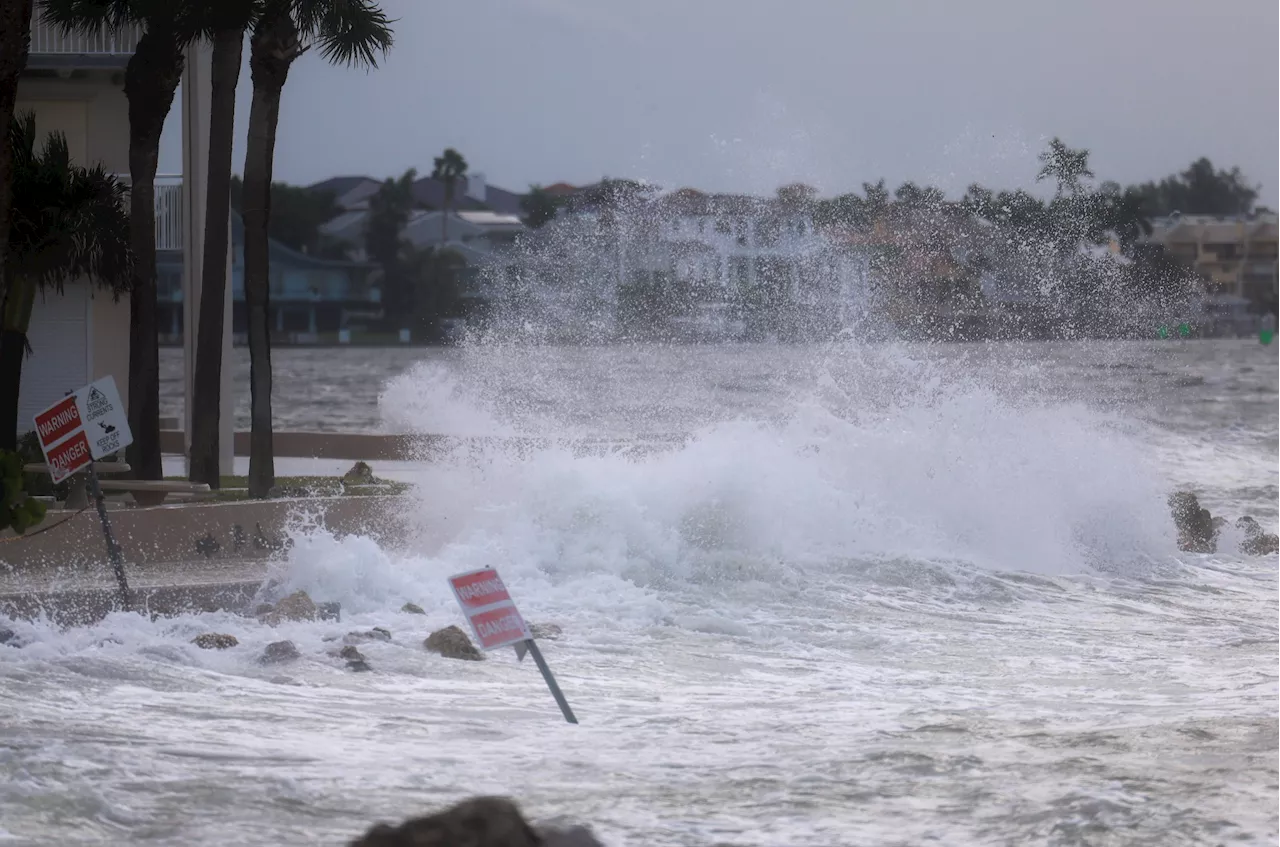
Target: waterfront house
{"x":74,"y":85}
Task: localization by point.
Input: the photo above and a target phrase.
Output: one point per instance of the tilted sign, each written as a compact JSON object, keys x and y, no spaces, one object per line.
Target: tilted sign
{"x":492,"y":613}
{"x":89,"y":424}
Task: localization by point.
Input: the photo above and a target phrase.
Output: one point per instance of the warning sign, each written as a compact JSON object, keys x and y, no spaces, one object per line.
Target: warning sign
{"x":489,"y":609}
{"x":92,"y":422}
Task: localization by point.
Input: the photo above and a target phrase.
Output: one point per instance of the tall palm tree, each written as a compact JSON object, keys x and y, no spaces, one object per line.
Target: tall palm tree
{"x":350,"y":32}
{"x":150,"y":80}
{"x":15,"y":38}
{"x":67,"y":222}
{"x":450,"y":167}
{"x":230,"y":19}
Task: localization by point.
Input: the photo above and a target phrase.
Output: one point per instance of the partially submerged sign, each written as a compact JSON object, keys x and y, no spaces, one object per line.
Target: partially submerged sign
{"x":492,"y":613}
{"x":81,"y":427}
{"x":496,"y":622}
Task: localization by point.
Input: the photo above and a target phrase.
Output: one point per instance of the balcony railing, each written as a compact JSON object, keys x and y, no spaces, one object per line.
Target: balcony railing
{"x":168,"y":205}
{"x":105,"y":48}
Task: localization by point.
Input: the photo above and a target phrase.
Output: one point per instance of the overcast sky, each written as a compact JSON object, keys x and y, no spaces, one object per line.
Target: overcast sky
{"x":748,"y":94}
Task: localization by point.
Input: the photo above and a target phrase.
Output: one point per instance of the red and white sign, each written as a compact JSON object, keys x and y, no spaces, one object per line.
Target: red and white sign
{"x":81,"y":427}
{"x":494,"y":618}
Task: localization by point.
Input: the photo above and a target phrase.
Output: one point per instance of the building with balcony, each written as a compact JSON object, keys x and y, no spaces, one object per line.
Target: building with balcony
{"x":74,"y":84}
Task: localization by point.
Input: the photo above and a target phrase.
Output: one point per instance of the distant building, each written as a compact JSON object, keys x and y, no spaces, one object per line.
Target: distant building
{"x":308,"y":295}
{"x":1236,"y":257}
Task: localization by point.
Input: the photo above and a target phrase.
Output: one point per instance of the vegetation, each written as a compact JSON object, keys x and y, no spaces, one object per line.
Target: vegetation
{"x":66,"y":222}
{"x":297,"y":213}
{"x":349,"y":32}
{"x":15,"y":38}
{"x":450,"y":167}
{"x":539,"y":207}
{"x":228,"y":20}
{"x":18,"y":511}
{"x":389,"y":211}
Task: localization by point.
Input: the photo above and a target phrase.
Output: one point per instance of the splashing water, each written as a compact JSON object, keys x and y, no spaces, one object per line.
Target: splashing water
{"x":847,"y":595}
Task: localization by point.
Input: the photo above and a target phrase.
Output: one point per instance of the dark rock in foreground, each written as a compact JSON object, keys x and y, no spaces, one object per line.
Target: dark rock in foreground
{"x":1196,"y":530}
{"x":452,"y":643}
{"x":412,"y":609}
{"x":478,"y":822}
{"x":279,"y":651}
{"x":376,"y":634}
{"x":215,"y":641}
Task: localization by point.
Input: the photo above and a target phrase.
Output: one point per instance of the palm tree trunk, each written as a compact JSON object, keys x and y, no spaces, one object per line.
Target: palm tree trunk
{"x":228,"y":45}
{"x":15,"y":320}
{"x":15,"y":37}
{"x":272,"y":49}
{"x":150,"y":80}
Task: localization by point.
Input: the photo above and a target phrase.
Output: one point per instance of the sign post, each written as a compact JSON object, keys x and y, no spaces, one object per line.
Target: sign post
{"x":496,"y":622}
{"x":80,"y":428}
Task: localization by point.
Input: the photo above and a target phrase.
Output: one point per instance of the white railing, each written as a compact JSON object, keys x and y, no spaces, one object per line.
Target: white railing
{"x":168,"y":205}
{"x":49,"y":40}
{"x":168,"y":212}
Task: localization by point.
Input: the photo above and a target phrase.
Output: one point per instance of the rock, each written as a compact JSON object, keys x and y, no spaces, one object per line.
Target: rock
{"x":279,"y":651}
{"x":546,"y":631}
{"x":478,"y":822}
{"x":214,"y":641}
{"x":574,"y":836}
{"x":412,"y":609}
{"x":358,"y":666}
{"x":298,"y":606}
{"x":350,"y":653}
{"x":375,"y":634}
{"x":263,"y":609}
{"x":1196,"y":530}
{"x":360,"y":474}
{"x":329,"y":611}
{"x":452,"y":643}
{"x":8,"y":636}
{"x":1256,"y":542}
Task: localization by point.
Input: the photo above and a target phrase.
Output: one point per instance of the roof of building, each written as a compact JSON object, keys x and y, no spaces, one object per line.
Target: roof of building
{"x":490,"y":219}
{"x":339,"y":185}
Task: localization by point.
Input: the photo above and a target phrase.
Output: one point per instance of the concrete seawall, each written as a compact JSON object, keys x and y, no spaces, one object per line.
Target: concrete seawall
{"x":178,"y":558}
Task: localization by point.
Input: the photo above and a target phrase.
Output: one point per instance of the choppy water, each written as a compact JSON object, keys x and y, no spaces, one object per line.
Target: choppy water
{"x":870,"y":596}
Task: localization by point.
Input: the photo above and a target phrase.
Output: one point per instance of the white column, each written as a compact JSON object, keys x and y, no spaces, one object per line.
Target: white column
{"x":196,"y":95}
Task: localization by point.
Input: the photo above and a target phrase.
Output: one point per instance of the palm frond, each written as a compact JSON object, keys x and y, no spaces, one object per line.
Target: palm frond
{"x":66,"y":221}
{"x":348,"y":32}
{"x":87,"y":16}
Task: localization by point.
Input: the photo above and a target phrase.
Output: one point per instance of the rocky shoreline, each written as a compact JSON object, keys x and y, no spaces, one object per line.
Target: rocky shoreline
{"x":477,"y":822}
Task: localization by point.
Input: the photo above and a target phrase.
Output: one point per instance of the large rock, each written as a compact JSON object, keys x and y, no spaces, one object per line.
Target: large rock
{"x":8,"y":636}
{"x":452,"y":643}
{"x":412,"y":609}
{"x":1196,"y":530}
{"x":1256,"y":542}
{"x":214,"y":641}
{"x":478,"y":822}
{"x":376,"y":634}
{"x":298,"y":606}
{"x":277,"y":652}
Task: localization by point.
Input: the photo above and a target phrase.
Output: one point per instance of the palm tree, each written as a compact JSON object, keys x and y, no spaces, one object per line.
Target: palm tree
{"x":450,"y":167}
{"x":1065,"y":166}
{"x":150,"y":80}
{"x":67,"y":222}
{"x":349,"y":32}
{"x":15,"y":37}
{"x":231,"y":21}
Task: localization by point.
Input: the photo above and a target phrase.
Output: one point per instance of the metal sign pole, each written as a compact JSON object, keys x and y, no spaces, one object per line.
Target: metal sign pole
{"x":113,"y":549}
{"x":551,"y":680}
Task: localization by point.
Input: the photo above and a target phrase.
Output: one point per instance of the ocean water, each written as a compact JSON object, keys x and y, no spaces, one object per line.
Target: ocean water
{"x":854,"y":595}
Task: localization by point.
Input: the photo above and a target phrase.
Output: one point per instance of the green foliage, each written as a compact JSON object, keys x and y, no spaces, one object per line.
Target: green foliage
{"x":389,"y":211}
{"x":67,"y":221}
{"x":17,"y":510}
{"x":437,"y":277}
{"x":297,"y":213}
{"x":1200,"y":190}
{"x":450,"y":167}
{"x":539,"y":207}
{"x":1066,"y":167}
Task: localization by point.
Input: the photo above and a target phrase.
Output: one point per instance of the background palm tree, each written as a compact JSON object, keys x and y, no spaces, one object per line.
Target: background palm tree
{"x":450,"y":167}
{"x":230,"y":19}
{"x":350,"y":32}
{"x":15,"y":38}
{"x":150,"y":80}
{"x":66,"y":222}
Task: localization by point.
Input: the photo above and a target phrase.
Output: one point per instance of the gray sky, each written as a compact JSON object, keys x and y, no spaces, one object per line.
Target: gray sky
{"x":750,"y":94}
